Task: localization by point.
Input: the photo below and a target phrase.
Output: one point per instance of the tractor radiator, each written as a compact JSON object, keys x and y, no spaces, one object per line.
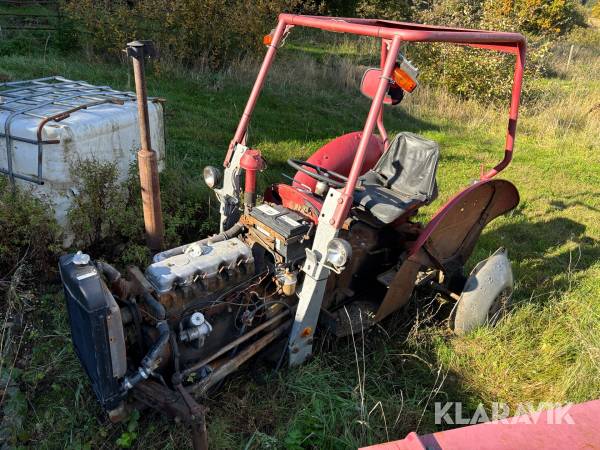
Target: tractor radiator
{"x":96,"y":328}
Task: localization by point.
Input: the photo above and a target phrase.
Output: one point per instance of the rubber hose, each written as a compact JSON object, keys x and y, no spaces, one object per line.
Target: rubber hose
{"x":111,"y":274}
{"x":159,"y":310}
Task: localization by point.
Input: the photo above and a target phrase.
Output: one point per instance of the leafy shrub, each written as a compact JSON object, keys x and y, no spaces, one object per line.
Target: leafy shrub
{"x":544,"y":17}
{"x":29,"y":232}
{"x":186,"y":31}
{"x":585,"y":37}
{"x":550,"y":17}
{"x":596,"y":10}
{"x":474,"y":73}
{"x":384,"y":9}
{"x":107,"y":219}
{"x":480,"y":74}
{"x":103,"y":214}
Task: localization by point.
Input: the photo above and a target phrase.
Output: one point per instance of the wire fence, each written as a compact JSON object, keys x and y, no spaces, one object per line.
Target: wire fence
{"x":30,"y":16}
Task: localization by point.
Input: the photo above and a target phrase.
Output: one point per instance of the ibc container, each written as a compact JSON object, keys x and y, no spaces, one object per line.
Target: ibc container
{"x":48,"y":124}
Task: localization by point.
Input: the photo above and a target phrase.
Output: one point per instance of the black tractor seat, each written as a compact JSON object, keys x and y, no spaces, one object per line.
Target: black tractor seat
{"x":402,"y":180}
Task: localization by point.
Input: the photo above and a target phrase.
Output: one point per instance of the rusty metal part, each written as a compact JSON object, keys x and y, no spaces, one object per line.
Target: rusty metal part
{"x":66,"y":114}
{"x":148,"y":164}
{"x":232,"y":364}
{"x":236,"y":342}
{"x":452,"y":234}
{"x":139,"y":283}
{"x":120,"y":413}
{"x":363,"y":238}
{"x":444,"y":290}
{"x":177,"y":405}
{"x":449,"y":239}
{"x":402,"y":286}
{"x":198,"y":419}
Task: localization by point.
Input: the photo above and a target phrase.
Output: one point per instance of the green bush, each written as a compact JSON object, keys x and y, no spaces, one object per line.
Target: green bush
{"x":384,"y":9}
{"x":473,"y":73}
{"x":107,"y":219}
{"x":191,"y":32}
{"x":596,"y":10}
{"x":541,"y":17}
{"x":103,"y":214}
{"x":29,"y":232}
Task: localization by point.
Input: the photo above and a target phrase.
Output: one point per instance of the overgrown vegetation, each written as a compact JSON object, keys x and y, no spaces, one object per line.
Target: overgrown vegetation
{"x":191,"y":32}
{"x":353,"y":392}
{"x":29,"y":233}
{"x":207,"y":32}
{"x":98,"y":217}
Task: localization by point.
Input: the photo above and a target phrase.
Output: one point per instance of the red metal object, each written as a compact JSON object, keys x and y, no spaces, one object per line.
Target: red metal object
{"x":449,"y":238}
{"x":338,"y":155}
{"x":392,"y":35}
{"x":343,"y":208}
{"x":369,"y":83}
{"x":543,"y":430}
{"x":251,"y":162}
{"x":457,"y":225}
{"x":295,"y":199}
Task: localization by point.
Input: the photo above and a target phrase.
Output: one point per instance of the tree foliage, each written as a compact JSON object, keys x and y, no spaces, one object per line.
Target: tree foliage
{"x":189,"y":32}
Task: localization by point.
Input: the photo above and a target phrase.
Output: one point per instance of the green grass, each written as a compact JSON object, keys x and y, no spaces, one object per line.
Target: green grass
{"x":546,"y":349}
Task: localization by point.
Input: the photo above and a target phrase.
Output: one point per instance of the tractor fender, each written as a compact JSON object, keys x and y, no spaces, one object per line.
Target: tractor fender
{"x":450,"y":237}
{"x":338,"y":156}
{"x":489,"y":281}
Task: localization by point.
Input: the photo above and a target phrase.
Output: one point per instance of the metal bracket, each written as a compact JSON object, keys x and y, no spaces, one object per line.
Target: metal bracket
{"x":229,"y":193}
{"x":141,"y":49}
{"x":315,"y":282}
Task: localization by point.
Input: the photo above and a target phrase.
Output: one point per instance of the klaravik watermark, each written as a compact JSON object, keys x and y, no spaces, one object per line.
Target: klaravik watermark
{"x":453,"y":413}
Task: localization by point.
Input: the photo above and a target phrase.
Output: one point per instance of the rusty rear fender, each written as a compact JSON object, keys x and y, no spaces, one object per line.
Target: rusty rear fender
{"x":450,"y":237}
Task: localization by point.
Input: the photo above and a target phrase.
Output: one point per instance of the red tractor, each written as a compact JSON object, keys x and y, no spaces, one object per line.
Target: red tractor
{"x":338,"y":242}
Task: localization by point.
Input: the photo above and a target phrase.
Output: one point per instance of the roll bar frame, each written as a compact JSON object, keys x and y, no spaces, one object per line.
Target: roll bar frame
{"x":392,"y":35}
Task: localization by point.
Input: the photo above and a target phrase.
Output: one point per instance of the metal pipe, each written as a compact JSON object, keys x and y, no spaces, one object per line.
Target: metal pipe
{"x":199,"y":435}
{"x":111,"y":274}
{"x":240,"y":132}
{"x":148,"y":363}
{"x":407,"y":32}
{"x":380,"y":125}
{"x":235,"y":343}
{"x":157,"y":308}
{"x":513,"y":114}
{"x":234,"y":363}
{"x":148,"y":165}
{"x":348,"y":190}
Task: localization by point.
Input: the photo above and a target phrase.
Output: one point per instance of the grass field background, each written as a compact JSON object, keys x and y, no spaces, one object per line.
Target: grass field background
{"x":353,"y":393}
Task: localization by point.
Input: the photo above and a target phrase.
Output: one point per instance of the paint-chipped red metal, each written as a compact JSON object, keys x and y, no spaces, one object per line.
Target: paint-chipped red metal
{"x":541,"y":430}
{"x":338,"y":156}
{"x":251,"y":162}
{"x":396,"y":32}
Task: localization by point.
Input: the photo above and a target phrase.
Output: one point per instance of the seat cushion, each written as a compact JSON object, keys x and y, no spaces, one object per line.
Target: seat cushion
{"x":409,"y":166}
{"x":402,"y":180}
{"x":383,"y":203}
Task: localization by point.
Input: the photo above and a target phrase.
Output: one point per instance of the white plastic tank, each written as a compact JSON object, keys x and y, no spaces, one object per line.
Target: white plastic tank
{"x":47,"y":125}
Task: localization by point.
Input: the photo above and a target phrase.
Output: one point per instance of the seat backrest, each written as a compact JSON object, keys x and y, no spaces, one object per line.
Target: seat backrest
{"x":409,"y":166}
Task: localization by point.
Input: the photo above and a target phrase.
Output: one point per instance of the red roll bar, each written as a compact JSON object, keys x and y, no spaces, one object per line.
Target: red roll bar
{"x":393,"y":33}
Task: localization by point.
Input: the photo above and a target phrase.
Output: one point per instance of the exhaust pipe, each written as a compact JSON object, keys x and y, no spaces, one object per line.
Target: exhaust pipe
{"x":147,"y":161}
